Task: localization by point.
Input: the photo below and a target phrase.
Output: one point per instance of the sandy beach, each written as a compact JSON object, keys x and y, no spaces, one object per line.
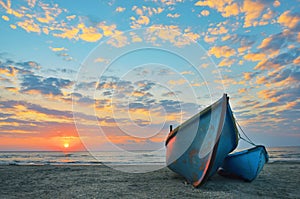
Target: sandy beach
{"x":277,"y":180}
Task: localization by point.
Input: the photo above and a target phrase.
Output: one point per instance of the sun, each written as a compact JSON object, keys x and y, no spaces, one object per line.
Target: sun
{"x":66,"y":145}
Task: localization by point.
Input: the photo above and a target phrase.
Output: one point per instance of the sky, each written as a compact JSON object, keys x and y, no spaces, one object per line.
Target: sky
{"x":101,"y":75}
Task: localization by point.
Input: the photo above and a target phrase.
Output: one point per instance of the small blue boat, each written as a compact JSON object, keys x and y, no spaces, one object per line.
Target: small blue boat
{"x":198,"y":147}
{"x":245,"y":164}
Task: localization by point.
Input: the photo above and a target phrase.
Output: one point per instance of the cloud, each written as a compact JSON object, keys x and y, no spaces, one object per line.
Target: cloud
{"x":226,"y":62}
{"x":222,"y":51}
{"x":5,"y":18}
{"x":31,"y":3}
{"x":226,"y":7}
{"x":231,"y":10}
{"x":170,"y":33}
{"x":89,"y":34}
{"x":281,"y":77}
{"x":9,"y":10}
{"x":208,"y":39}
{"x":252,"y":10}
{"x":242,"y":90}
{"x":29,"y":65}
{"x":175,"y":15}
{"x":218,"y":30}
{"x":118,"y":40}
{"x":29,"y":25}
{"x":69,"y":33}
{"x":249,"y":75}
{"x":177,"y":82}
{"x":49,"y":86}
{"x":57,"y":49}
{"x":276,"y":3}
{"x":255,"y":56}
{"x":289,"y":20}
{"x":108,"y":30}
{"x":204,"y":12}
{"x":280,"y":60}
{"x":8,"y":71}
{"x":144,"y":85}
{"x":120,"y":9}
{"x":189,"y":72}
{"x":141,"y":20}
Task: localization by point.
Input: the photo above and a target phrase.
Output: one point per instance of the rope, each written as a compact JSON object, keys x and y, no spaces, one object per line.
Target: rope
{"x":246,"y":140}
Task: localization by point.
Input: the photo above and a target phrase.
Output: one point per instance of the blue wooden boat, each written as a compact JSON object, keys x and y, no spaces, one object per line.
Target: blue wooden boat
{"x":198,"y":147}
{"x":245,"y":164}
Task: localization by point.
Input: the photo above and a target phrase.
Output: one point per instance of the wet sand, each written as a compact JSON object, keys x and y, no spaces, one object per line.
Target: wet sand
{"x":277,"y":180}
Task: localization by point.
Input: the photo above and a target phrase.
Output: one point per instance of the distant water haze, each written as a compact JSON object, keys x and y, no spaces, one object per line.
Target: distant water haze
{"x":116,"y":158}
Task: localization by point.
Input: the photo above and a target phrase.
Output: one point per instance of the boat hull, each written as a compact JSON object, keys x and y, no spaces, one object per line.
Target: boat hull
{"x":197,"y":148}
{"x":245,"y":164}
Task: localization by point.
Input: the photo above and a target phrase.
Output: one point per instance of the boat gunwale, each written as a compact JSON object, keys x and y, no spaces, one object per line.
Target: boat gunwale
{"x":257,"y":147}
{"x":204,"y":111}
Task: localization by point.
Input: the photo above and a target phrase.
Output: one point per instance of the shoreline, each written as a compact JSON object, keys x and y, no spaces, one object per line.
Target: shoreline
{"x":277,"y":180}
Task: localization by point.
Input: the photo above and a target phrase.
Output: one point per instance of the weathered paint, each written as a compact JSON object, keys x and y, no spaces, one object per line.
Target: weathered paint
{"x":199,"y":145}
{"x":245,"y":164}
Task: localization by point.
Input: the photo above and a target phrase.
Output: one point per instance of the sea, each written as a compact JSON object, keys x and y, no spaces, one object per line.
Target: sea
{"x":291,"y":154}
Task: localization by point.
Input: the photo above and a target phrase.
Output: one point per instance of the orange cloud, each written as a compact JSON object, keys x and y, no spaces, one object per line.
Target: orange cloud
{"x":176,"y":15}
{"x":268,"y":95}
{"x":252,"y":10}
{"x":205,"y":12}
{"x":71,"y":17}
{"x":13,"y":26}
{"x":255,"y":57}
{"x":226,"y":7}
{"x":142,"y":20}
{"x":29,"y":26}
{"x":57,"y":49}
{"x":9,"y":10}
{"x":168,"y":33}
{"x":226,"y":81}
{"x":218,"y":31}
{"x":107,"y":30}
{"x":226,"y":37}
{"x":46,"y":19}
{"x":269,"y":15}
{"x":226,"y":62}
{"x":261,"y":80}
{"x":187,"y":73}
{"x":89,"y":34}
{"x":208,"y":39}
{"x":177,"y":82}
{"x":5,"y":18}
{"x":276,"y":3}
{"x":120,"y":9}
{"x":118,"y":40}
{"x":297,"y":60}
{"x":288,"y":20}
{"x":247,"y":75}
{"x":101,"y":59}
{"x":243,"y":49}
{"x":69,"y":33}
{"x":9,"y":72}
{"x":242,"y":90}
{"x":191,"y":35}
{"x":290,"y":105}
{"x":31,"y":3}
{"x":266,"y":64}
{"x":222,"y":51}
{"x":172,"y":34}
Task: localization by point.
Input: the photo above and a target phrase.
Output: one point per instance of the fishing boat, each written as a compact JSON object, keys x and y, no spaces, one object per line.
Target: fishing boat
{"x":198,"y":147}
{"x":245,"y":164}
